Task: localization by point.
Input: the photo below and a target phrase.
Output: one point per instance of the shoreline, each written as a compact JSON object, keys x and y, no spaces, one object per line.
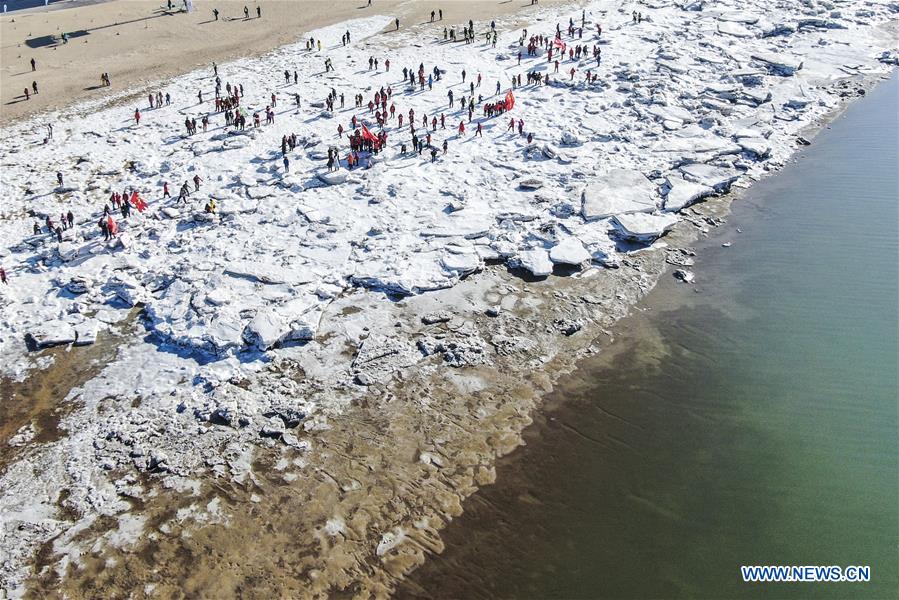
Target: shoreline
{"x":566,"y":411}
{"x":454,"y":470}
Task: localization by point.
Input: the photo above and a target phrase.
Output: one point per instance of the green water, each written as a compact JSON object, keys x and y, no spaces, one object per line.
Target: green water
{"x":753,"y":422}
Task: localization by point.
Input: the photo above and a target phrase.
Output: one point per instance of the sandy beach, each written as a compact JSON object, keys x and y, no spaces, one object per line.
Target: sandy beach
{"x":140,"y":42}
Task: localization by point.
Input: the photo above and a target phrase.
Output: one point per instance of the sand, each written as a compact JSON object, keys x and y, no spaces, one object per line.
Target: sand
{"x":139,"y":42}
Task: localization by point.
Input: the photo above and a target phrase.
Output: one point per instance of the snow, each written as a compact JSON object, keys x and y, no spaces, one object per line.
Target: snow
{"x":682,"y":108}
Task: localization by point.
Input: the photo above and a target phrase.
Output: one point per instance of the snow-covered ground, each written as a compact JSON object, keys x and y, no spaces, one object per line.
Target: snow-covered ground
{"x":693,"y":99}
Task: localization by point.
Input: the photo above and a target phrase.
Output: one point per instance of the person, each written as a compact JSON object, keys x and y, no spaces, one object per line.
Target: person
{"x":215,"y":13}
{"x":479,"y":130}
{"x":397,"y":21}
{"x":3,"y":272}
{"x":440,"y":12}
{"x":59,"y":178}
{"x":286,"y":165}
{"x":432,"y":16}
{"x":37,"y":228}
{"x":258,"y":12}
{"x":461,"y":128}
{"x":104,"y":228}
{"x":58,"y":232}
{"x":71,"y":219}
{"x":33,"y":65}
{"x":27,"y":94}
{"x":210,"y":206}
{"x":197,"y":180}
{"x":137,"y":116}
{"x":49,"y":131}
{"x":246,"y":12}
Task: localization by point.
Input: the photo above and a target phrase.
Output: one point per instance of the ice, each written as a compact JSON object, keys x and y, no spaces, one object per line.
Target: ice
{"x":734,"y":29}
{"x":645,"y":227}
{"x":683,"y":193}
{"x":536,"y":261}
{"x":531,"y":183}
{"x":52,"y":334}
{"x":619,"y":191}
{"x":269,"y":274}
{"x":334,"y":178}
{"x":718,"y":178}
{"x":86,"y":332}
{"x":738,"y":16}
{"x":759,"y":147}
{"x":778,"y":63}
{"x":569,"y":251}
{"x":687,"y":102}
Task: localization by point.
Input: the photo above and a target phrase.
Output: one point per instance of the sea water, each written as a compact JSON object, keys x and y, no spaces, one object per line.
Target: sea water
{"x":750,"y":420}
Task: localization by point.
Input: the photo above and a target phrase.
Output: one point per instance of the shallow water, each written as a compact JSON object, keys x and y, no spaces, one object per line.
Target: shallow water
{"x":753,"y":422}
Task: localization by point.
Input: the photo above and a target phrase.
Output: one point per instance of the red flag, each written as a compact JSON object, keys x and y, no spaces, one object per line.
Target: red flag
{"x":368,"y":135}
{"x":559,"y":44}
{"x":138,"y":202}
{"x":113,"y":228}
{"x":510,"y":100}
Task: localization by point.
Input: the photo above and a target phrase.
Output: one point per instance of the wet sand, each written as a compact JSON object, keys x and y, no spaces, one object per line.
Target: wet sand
{"x":139,"y":42}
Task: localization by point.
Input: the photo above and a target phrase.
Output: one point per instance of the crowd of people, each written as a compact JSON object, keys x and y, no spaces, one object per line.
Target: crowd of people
{"x":382,"y":110}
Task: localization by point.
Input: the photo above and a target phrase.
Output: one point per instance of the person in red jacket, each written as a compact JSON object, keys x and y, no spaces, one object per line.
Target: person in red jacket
{"x":137,"y":116}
